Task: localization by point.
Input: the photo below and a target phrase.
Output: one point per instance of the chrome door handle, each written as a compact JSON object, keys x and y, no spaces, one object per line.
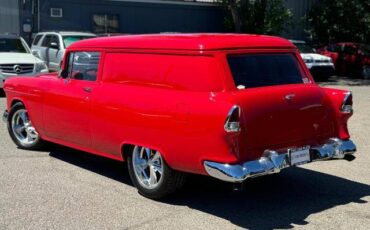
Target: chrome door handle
{"x":289,"y":97}
{"x":88,"y":89}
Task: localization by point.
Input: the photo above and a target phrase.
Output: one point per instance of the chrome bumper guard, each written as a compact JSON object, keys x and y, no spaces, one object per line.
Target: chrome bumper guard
{"x":272,"y":162}
{"x":5,"y":116}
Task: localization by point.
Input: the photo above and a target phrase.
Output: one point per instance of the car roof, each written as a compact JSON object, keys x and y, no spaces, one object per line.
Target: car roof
{"x":185,"y":42}
{"x":297,"y":41}
{"x":9,"y":36}
{"x":75,"y":33}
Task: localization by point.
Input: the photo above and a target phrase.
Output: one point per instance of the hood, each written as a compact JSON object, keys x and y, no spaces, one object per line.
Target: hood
{"x":314,"y":56}
{"x":18,"y":58}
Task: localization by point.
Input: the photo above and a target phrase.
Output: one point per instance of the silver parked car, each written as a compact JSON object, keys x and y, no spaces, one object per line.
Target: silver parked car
{"x":50,"y":46}
{"x":16,"y":59}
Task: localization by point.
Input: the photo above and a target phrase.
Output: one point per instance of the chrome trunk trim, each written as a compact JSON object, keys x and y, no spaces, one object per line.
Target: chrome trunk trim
{"x":272,"y":162}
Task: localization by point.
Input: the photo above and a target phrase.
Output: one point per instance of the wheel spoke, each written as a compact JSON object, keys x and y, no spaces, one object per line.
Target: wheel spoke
{"x":29,"y":139}
{"x":155,"y":157}
{"x":158,"y":168}
{"x":153,"y":176}
{"x":145,"y":176}
{"x":23,"y":116}
{"x":19,"y":129}
{"x":148,"y":153}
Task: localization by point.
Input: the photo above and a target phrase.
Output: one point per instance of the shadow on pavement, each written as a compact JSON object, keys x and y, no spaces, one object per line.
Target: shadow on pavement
{"x":270,"y":202}
{"x":103,"y":166}
{"x":345,"y":81}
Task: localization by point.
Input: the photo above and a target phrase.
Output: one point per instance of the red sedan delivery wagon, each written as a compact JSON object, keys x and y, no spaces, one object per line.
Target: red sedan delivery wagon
{"x":229,"y":106}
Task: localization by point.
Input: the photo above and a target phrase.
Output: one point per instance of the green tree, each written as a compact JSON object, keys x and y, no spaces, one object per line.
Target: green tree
{"x":339,"y":21}
{"x":256,"y":16}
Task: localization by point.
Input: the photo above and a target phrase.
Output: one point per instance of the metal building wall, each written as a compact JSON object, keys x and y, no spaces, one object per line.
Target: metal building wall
{"x":9,"y":16}
{"x":134,"y":16}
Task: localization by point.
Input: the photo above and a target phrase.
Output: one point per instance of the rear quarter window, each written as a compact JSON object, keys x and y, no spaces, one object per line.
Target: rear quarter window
{"x":258,"y":70}
{"x":193,"y":73}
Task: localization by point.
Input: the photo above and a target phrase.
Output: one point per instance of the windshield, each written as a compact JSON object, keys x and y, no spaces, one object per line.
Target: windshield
{"x":69,"y":40}
{"x":304,"y":48}
{"x":12,"y":45}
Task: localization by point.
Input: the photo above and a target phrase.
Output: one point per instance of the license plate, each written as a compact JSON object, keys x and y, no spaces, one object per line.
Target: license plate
{"x":299,"y":156}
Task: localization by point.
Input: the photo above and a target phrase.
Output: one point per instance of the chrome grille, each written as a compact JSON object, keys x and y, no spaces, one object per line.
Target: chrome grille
{"x":17,"y":68}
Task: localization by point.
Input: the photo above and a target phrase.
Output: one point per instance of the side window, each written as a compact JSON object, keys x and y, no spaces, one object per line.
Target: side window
{"x":54,"y":40}
{"x":37,"y":39}
{"x":83,"y":65}
{"x":46,"y":41}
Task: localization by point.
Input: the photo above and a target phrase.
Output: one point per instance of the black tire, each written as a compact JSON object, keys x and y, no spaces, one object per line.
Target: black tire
{"x":172,"y":180}
{"x":2,"y":93}
{"x":36,"y":145}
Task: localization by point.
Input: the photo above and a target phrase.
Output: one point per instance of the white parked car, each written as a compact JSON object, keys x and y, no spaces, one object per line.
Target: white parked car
{"x":320,"y":66}
{"x":50,"y":46}
{"x":16,"y":59}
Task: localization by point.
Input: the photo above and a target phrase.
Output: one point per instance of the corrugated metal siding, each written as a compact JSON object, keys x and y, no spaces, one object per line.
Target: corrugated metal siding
{"x":299,"y":9}
{"x":9,"y":16}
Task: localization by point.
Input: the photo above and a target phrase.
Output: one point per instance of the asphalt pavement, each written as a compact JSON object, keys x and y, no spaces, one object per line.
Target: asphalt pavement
{"x":61,"y":188}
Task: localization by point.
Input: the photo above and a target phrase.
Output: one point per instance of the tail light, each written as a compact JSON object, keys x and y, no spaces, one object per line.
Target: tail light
{"x":347,"y":103}
{"x":232,"y":123}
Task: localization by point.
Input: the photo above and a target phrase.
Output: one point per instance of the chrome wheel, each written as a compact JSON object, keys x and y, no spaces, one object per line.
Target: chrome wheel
{"x":22,"y":128}
{"x":148,"y":167}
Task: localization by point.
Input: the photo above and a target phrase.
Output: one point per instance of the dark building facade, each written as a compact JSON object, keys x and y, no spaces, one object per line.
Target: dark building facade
{"x":121,"y":16}
{"x":27,"y":17}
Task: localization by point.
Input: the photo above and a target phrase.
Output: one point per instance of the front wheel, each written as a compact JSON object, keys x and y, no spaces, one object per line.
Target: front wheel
{"x":21,"y":129}
{"x":151,"y":175}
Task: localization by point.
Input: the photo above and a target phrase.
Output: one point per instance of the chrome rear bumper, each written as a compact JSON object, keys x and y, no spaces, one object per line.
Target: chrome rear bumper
{"x":273,"y":162}
{"x":5,"y":116}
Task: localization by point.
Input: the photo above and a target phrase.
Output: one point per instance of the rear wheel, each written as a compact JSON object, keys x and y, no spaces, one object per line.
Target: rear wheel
{"x":21,"y":129}
{"x":151,"y":175}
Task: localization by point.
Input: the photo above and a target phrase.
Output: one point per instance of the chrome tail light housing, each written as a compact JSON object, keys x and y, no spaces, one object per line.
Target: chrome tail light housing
{"x":232,"y":123}
{"x":347,"y":104}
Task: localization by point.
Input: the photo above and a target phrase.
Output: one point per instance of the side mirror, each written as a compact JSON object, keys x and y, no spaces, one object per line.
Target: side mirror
{"x":63,"y":74}
{"x":36,"y":53}
{"x":54,"y":45}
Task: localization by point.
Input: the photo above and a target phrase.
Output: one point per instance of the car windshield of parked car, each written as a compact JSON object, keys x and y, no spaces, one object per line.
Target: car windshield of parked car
{"x":304,"y":48}
{"x":69,"y":40}
{"x":12,"y":45}
{"x":258,"y":70}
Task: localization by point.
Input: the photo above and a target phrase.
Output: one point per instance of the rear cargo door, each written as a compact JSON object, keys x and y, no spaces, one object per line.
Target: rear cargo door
{"x":279,"y":107}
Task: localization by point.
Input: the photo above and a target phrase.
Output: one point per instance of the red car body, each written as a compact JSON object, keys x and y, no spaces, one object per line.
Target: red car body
{"x":173,"y":93}
{"x":350,"y":58}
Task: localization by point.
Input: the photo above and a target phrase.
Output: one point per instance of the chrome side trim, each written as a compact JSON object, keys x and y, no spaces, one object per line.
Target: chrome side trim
{"x":5,"y":116}
{"x":272,"y":162}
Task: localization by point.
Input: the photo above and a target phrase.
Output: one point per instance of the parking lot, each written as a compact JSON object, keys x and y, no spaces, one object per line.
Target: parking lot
{"x":61,"y":188}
